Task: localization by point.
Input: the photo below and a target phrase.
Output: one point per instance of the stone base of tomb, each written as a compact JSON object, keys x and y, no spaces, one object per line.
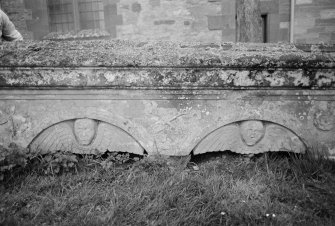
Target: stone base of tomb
{"x":167,"y":98}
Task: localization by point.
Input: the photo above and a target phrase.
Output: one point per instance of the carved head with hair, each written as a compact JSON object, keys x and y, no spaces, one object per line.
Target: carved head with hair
{"x":252,"y":132}
{"x":85,"y":130}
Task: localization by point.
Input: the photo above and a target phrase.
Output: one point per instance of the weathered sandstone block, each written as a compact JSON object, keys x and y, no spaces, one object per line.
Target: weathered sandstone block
{"x":167,"y":98}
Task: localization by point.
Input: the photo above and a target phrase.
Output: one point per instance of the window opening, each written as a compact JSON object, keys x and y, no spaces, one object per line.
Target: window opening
{"x":91,"y":14}
{"x":69,"y":15}
{"x":61,"y":15}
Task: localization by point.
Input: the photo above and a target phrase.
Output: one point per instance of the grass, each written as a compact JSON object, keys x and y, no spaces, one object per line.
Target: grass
{"x":228,"y":189}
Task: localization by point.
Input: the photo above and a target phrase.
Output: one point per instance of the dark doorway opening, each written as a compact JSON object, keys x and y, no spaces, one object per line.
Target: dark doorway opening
{"x":264,"y":27}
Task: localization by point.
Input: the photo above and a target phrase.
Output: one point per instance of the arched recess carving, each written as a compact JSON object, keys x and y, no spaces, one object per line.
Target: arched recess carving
{"x":84,"y":136}
{"x":251,"y":137}
{"x":135,"y":130}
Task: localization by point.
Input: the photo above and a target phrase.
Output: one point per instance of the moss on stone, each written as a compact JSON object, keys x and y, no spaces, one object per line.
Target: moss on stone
{"x":163,"y":54}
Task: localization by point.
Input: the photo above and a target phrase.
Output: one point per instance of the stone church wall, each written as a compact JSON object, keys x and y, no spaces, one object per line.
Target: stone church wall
{"x":188,"y":20}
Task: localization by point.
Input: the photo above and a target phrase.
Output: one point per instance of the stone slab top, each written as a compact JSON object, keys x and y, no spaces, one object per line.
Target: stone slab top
{"x":117,"y":53}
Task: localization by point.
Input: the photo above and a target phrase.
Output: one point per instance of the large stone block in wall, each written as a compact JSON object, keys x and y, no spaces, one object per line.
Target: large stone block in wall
{"x":167,"y":98}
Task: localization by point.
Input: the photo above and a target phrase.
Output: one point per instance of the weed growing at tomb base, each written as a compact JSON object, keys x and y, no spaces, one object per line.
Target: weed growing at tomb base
{"x":12,"y":158}
{"x":228,"y":189}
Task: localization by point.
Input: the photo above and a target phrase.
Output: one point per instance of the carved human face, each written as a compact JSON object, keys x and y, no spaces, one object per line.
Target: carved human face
{"x":252,"y":132}
{"x":84,"y":130}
